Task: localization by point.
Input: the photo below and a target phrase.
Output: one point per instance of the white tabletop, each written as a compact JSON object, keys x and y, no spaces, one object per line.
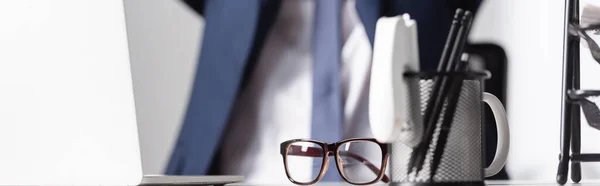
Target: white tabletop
{"x":491,"y":183}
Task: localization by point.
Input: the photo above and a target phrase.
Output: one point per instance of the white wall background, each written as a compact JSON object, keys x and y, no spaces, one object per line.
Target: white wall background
{"x":164,"y":36}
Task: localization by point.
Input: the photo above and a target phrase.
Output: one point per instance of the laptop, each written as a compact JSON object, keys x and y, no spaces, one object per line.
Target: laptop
{"x":67,"y":114}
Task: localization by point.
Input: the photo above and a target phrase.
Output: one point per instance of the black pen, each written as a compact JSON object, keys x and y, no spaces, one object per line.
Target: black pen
{"x":420,"y":151}
{"x":453,"y":93}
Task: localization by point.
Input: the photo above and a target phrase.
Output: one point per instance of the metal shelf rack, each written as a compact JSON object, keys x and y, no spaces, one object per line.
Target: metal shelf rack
{"x":570,"y":145}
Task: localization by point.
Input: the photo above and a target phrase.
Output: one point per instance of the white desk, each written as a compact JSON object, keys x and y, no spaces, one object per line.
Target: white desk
{"x":489,"y":183}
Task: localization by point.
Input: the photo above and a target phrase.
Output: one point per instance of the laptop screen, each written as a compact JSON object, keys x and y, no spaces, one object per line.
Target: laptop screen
{"x":67,"y":112}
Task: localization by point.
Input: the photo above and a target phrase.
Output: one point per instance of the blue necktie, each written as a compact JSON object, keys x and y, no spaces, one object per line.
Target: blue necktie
{"x":327,"y":96}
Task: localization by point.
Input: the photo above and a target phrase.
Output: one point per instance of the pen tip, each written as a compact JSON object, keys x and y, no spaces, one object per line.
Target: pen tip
{"x":468,"y":13}
{"x":458,"y":13}
{"x":467,"y":16}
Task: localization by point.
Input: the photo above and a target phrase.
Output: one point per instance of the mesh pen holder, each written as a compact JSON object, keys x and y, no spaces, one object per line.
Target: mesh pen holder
{"x":462,"y":159}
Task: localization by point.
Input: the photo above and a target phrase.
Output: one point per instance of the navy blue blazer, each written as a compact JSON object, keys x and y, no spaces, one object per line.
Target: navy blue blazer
{"x":233,"y":37}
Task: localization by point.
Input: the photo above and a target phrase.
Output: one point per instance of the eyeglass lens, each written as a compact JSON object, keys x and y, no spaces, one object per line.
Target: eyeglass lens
{"x":302,"y":161}
{"x":360,"y":161}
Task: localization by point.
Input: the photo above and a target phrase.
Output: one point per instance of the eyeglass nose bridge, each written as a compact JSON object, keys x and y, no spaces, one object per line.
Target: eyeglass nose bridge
{"x":331,"y":148}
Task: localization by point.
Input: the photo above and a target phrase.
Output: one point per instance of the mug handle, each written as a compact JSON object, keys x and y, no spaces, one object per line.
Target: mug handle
{"x":503,"y":135}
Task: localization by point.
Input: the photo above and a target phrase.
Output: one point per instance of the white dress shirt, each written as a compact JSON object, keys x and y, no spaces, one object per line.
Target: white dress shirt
{"x":276,"y":104}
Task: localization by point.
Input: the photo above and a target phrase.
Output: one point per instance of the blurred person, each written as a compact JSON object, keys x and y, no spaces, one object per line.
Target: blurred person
{"x":274,"y":70}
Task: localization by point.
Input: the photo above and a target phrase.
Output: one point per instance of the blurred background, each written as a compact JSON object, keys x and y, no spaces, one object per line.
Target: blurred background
{"x":164,"y":40}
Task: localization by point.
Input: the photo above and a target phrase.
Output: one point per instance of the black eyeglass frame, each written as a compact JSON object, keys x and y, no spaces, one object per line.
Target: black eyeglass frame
{"x":329,"y":149}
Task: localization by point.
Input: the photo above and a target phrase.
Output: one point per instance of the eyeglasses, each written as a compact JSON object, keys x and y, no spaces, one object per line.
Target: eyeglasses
{"x":359,"y":161}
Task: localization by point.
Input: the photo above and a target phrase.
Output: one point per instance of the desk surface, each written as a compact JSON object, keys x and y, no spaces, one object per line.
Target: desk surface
{"x":490,"y":183}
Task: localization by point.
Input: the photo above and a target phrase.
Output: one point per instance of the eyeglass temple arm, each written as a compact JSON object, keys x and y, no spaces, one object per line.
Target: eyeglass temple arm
{"x":317,"y":152}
